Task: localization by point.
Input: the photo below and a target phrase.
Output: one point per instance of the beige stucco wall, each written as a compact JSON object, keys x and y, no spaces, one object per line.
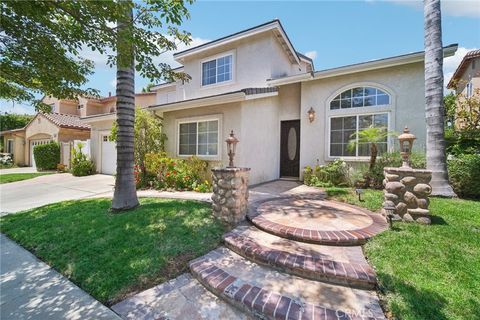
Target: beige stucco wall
{"x":472,"y":72}
{"x":18,"y":146}
{"x":405,"y":85}
{"x":255,"y":59}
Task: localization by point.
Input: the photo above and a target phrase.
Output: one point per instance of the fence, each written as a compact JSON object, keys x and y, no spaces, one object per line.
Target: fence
{"x":66,"y":150}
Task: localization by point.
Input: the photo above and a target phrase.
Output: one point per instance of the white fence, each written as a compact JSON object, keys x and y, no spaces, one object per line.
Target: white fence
{"x":66,"y":150}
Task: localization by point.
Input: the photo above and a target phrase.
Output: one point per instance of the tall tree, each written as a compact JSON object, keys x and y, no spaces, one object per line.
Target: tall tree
{"x":436,"y":156}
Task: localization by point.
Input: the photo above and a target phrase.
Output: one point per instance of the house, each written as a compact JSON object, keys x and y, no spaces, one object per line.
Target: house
{"x":285,"y":114}
{"x":466,"y":79}
{"x":62,"y":124}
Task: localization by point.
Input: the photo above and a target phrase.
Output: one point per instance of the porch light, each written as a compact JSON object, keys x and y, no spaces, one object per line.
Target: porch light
{"x":311,"y":114}
{"x":406,"y":143}
{"x":231,"y":146}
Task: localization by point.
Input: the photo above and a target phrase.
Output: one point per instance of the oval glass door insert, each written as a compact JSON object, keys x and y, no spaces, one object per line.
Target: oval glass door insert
{"x":292,"y":143}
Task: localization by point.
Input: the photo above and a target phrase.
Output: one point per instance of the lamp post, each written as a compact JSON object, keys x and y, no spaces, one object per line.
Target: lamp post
{"x":231,"y":146}
{"x":406,"y":143}
{"x":389,"y":211}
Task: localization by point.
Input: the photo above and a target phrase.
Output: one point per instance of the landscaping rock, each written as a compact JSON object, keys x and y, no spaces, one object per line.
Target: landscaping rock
{"x":395,"y":187}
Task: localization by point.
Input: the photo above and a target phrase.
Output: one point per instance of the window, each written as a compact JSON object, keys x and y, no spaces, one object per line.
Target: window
{"x":217,"y":70}
{"x":342,"y":129}
{"x":198,"y":138}
{"x":360,"y":97}
{"x":10,"y":146}
{"x":469,"y":89}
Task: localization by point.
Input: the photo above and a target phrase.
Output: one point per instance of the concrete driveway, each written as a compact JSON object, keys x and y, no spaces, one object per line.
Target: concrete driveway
{"x":28,"y":194}
{"x":18,"y":170}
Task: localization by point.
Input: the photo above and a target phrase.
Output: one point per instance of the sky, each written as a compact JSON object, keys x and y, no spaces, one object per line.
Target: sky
{"x":332,"y":33}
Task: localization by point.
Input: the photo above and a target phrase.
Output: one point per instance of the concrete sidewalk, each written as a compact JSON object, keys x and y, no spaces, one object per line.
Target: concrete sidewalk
{"x":30,"y":289}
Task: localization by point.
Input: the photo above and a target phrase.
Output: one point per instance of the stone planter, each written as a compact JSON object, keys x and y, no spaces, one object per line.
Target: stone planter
{"x":407,"y":190}
{"x":230,"y":194}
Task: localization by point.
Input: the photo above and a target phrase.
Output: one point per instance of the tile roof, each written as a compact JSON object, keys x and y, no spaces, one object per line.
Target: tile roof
{"x":66,"y":120}
{"x":463,"y":65}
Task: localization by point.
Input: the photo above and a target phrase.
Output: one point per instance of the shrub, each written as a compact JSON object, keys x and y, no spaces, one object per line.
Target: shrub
{"x":464,"y":174}
{"x":81,"y":165}
{"x":61,"y":167}
{"x":47,"y":156}
{"x":6,"y":160}
{"x":335,"y":173}
{"x":163,"y":172}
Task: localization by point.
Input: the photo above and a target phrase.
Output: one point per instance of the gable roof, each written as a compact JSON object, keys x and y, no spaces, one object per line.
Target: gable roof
{"x":65,"y":120}
{"x":463,"y":65}
{"x":273,"y":25}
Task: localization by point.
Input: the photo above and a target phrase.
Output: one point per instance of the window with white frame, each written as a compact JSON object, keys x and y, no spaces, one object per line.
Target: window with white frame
{"x":10,"y":146}
{"x":217,"y":70}
{"x":198,"y":138}
{"x":343,"y":128}
{"x":360,"y":97}
{"x":469,"y":89}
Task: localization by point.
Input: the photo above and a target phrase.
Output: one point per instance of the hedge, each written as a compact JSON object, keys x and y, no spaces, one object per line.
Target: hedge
{"x":47,"y":156}
{"x":464,"y":175}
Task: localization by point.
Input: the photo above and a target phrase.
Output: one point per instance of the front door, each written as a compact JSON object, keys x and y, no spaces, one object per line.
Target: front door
{"x":290,"y":149}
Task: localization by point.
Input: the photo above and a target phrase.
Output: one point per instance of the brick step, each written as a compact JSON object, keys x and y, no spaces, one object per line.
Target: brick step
{"x":333,"y":264}
{"x":269,"y":294}
{"x":178,"y":299}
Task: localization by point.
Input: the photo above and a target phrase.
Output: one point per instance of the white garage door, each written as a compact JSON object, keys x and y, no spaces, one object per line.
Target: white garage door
{"x":34,"y":143}
{"x":109,"y":156}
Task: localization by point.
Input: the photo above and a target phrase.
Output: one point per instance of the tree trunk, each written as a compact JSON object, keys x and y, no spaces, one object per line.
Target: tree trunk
{"x":125,"y":195}
{"x":436,"y":156}
{"x":373,"y":155}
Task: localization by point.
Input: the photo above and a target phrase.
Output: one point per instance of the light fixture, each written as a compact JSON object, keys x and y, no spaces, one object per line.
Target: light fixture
{"x":406,"y":144}
{"x":231,"y":146}
{"x":311,"y":114}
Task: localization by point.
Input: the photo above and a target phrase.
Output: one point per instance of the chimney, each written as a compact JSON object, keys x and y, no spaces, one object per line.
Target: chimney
{"x":109,"y":93}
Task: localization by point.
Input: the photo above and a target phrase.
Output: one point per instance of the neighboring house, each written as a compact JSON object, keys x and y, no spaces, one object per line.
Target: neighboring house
{"x":466,"y":79}
{"x":62,"y":124}
{"x":255,"y":83}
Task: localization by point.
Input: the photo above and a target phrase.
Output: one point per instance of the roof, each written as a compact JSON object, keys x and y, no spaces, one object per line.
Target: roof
{"x":360,"y":67}
{"x":462,"y":66}
{"x":12,"y":131}
{"x":270,"y":25}
{"x":66,"y":120}
{"x":228,"y":97}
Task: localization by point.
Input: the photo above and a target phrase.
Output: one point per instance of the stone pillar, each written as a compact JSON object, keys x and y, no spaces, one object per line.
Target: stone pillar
{"x":407,"y":190}
{"x":230,"y":194}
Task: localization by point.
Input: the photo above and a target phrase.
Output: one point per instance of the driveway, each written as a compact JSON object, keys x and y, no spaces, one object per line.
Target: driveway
{"x":36,"y":192}
{"x":19,"y":170}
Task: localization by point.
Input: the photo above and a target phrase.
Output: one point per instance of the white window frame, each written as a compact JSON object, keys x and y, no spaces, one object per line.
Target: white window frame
{"x":198,"y":119}
{"x":216,"y":57}
{"x":10,"y":150}
{"x":469,"y":89}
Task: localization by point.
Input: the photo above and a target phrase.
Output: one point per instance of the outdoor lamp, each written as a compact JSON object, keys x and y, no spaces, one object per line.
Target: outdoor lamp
{"x":406,"y":143}
{"x":231,"y":146}
{"x":389,"y":211}
{"x":311,"y":114}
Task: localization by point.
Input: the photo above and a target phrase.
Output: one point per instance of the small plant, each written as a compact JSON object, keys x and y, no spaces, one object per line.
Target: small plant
{"x":464,"y":174}
{"x":61,"y":167}
{"x":335,"y":173}
{"x":47,"y":156}
{"x":6,"y":160}
{"x":81,"y":165}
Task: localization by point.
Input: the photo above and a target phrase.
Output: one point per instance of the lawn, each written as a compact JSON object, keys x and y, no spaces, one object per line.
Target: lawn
{"x":427,"y":272}
{"x":13,"y":177}
{"x":113,"y":255}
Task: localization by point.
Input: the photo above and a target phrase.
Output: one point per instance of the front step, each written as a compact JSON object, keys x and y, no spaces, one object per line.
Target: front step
{"x":269,"y":294}
{"x":334,"y":264}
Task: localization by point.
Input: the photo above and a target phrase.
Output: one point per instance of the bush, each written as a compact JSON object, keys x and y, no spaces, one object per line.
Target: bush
{"x":163,"y":172}
{"x":463,"y":141}
{"x":47,"y":156}
{"x":335,"y":173}
{"x":6,"y":160}
{"x":464,"y":174}
{"x":81,"y":165}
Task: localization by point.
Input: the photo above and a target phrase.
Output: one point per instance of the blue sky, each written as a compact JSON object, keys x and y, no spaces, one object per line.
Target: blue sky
{"x":333,"y":33}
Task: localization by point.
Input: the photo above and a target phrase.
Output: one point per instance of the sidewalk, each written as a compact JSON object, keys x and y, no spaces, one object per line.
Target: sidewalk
{"x":30,"y":289}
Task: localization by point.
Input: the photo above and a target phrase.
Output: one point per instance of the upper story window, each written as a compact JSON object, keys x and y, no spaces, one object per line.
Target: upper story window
{"x":217,"y":70}
{"x":469,"y":89}
{"x":360,"y":97}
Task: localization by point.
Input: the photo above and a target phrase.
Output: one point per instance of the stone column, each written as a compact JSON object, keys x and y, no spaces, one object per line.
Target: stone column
{"x":407,"y":190}
{"x":230,"y":194}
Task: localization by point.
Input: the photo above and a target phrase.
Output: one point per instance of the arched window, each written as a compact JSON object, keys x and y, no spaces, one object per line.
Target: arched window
{"x":360,"y":97}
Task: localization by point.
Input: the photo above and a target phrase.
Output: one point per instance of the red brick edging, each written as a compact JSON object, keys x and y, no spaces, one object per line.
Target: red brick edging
{"x":341,"y":237}
{"x":253,"y":299}
{"x":360,"y":275}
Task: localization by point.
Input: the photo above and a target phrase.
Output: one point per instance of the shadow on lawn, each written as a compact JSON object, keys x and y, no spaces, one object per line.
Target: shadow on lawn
{"x":414,"y":303}
{"x":437,"y":220}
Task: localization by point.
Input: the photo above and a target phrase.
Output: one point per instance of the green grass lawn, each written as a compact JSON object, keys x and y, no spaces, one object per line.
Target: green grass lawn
{"x":111,"y":255}
{"x":427,"y":272}
{"x":13,"y":177}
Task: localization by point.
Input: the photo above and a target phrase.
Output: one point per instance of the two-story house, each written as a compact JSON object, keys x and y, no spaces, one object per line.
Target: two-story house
{"x":62,"y":124}
{"x":285,"y":114}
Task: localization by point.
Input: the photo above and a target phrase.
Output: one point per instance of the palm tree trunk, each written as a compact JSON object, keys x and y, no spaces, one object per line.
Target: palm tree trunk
{"x":436,"y":156}
{"x":373,"y":155}
{"x":125,"y":195}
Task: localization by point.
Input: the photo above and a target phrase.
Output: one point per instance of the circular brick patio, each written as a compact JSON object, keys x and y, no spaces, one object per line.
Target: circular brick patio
{"x":316,"y":220}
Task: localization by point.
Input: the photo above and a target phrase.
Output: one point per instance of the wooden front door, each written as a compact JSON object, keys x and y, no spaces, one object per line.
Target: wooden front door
{"x":290,"y":149}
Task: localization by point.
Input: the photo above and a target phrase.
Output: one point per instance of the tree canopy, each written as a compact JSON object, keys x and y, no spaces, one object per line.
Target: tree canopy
{"x":9,"y":121}
{"x":42,"y":43}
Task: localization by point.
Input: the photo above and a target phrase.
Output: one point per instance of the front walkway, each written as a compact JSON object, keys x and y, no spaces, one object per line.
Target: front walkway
{"x":30,"y":289}
{"x":18,"y":170}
